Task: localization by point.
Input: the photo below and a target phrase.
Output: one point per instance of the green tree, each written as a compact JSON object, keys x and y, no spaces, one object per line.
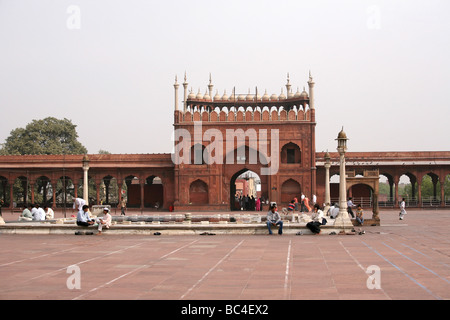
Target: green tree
{"x":46,"y":136}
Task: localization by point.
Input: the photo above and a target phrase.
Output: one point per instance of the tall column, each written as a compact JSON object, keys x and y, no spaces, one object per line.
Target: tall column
{"x":288,"y":86}
{"x":85,"y":179}
{"x":176,"y":85}
{"x":54,"y":194}
{"x":32,"y":191}
{"x":210,"y":87}
{"x":311,"y":92}
{"x":185,"y":85}
{"x":419,"y":193}
{"x":342,"y":220}
{"x":327,"y":182}
{"x":396,"y":182}
{"x":142,"y":185}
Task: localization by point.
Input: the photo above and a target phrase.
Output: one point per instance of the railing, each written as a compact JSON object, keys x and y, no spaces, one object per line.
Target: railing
{"x":388,"y":203}
{"x":365,"y":202}
{"x":431,"y":202}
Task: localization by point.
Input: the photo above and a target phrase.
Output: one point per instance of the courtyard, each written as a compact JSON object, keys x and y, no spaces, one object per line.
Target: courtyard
{"x":398,"y":260}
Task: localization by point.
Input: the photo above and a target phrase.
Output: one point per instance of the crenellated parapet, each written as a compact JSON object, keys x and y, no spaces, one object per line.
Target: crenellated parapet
{"x":250,"y":107}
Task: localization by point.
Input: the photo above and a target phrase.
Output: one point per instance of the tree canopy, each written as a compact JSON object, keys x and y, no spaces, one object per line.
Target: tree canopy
{"x":46,"y":136}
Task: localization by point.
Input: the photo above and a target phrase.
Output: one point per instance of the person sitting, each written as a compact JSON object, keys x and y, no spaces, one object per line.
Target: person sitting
{"x":26,"y":214}
{"x":274,"y":219}
{"x":316,"y":222}
{"x":359,"y":215}
{"x":334,"y":211}
{"x":104,"y":221}
{"x":49,"y":213}
{"x":83,"y":219}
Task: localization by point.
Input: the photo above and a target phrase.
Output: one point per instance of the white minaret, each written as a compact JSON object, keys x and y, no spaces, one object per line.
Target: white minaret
{"x":185,"y":85}
{"x":288,"y":86}
{"x":210,"y":86}
{"x":176,"y":86}
{"x":311,"y":91}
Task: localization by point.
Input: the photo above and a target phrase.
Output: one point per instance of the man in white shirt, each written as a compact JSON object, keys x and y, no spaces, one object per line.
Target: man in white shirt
{"x":78,"y":204}
{"x":104,"y":221}
{"x":38,"y":213}
{"x":402,"y":209}
{"x":83,"y":219}
{"x":333,"y":211}
{"x":49,"y":213}
{"x":34,"y":212}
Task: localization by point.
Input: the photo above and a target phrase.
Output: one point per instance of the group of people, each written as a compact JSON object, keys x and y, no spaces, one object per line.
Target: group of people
{"x":36,"y":213}
{"x":84,"y":217}
{"x":248,"y":203}
{"x":317,"y":214}
{"x":274,"y":219}
{"x":304,"y":204}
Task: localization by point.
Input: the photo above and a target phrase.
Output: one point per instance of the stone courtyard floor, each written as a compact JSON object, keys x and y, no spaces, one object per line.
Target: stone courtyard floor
{"x":399,"y":260}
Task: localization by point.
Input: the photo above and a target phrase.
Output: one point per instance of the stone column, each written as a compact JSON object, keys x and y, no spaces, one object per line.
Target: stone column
{"x":327,"y":183}
{"x":142,"y":185}
{"x":85,"y":179}
{"x":185,"y":84}
{"x":54,"y":194}
{"x":176,"y":85}
{"x":396,"y":183}
{"x":342,"y":220}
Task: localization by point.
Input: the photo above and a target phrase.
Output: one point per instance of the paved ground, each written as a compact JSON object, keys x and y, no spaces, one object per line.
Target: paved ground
{"x":407,"y":259}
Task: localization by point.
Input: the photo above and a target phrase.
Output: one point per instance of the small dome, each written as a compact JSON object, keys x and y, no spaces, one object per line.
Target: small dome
{"x":290,"y":94}
{"x":274,"y":97}
{"x":206,"y":96}
{"x":266,"y":96}
{"x":281,"y":96}
{"x":191,"y":95}
{"x":241,"y":97}
{"x":217,"y":97}
{"x":342,"y":134}
{"x":304,"y":94}
{"x":225,"y":97}
{"x":249,"y":96}
{"x":199,"y":95}
{"x":297,"y":94}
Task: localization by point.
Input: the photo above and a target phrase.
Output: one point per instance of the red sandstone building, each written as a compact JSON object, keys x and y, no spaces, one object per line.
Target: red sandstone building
{"x":259,"y":132}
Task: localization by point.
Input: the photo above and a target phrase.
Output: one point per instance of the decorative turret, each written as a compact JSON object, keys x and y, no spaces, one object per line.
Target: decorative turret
{"x":176,"y":86}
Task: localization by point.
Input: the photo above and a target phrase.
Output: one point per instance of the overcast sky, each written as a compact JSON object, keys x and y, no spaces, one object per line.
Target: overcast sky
{"x":381,"y":68}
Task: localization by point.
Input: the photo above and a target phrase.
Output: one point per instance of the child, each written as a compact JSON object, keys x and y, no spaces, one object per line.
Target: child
{"x":359,"y":215}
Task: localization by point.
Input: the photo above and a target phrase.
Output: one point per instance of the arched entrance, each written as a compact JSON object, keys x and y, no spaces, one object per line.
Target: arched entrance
{"x":245,"y":189}
{"x":153,"y":192}
{"x":369,"y":183}
{"x":290,"y":189}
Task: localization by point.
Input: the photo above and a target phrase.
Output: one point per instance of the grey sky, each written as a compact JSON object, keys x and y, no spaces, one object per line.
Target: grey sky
{"x":381,"y":67}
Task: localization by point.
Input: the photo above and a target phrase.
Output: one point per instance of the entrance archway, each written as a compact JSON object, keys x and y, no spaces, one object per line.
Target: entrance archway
{"x":245,"y":189}
{"x":290,"y":189}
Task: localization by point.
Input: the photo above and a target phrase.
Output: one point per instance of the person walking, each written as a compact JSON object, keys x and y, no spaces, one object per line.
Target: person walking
{"x":402,"y":209}
{"x":123,"y":206}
